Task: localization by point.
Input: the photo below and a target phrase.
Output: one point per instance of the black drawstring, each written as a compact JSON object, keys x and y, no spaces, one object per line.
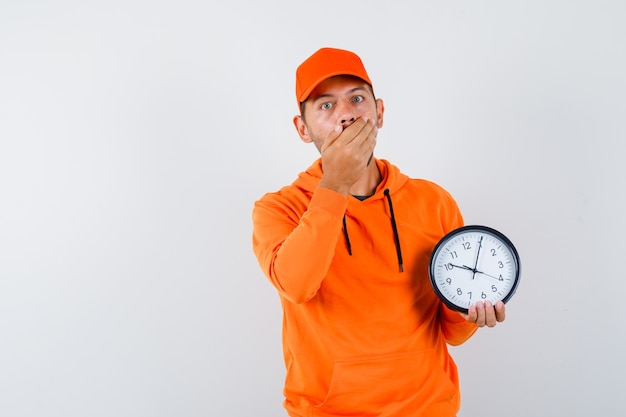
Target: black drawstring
{"x":345,"y":236}
{"x":396,"y":238}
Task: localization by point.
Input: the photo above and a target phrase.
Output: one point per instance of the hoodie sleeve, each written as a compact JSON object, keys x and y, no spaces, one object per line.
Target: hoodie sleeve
{"x":456,"y":330}
{"x":295,"y":254}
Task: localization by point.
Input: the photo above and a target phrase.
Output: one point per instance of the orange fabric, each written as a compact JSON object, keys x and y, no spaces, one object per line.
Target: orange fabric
{"x":361,"y":338}
{"x":326,"y":63}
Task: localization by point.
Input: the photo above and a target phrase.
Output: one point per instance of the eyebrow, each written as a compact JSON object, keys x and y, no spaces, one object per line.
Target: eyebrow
{"x":350,"y":92}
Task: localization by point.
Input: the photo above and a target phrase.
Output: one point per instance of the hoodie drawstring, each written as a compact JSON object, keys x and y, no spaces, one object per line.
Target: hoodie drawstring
{"x":345,"y":236}
{"x":396,"y":237}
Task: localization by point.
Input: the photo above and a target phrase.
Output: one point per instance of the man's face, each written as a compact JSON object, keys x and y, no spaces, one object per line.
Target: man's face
{"x":334,"y":105}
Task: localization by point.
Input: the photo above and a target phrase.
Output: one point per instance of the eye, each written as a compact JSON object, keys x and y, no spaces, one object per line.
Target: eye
{"x":358,"y":99}
{"x":326,"y":106}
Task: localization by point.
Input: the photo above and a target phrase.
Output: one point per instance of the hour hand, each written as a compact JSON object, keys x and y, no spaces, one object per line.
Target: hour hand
{"x":463,"y":267}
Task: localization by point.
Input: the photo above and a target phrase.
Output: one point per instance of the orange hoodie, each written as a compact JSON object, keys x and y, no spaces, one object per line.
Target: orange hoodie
{"x":361,"y":337}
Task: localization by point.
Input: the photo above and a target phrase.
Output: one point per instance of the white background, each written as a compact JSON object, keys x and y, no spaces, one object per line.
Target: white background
{"x":135,"y":136}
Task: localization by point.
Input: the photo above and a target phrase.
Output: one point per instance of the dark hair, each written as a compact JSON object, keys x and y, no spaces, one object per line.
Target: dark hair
{"x":302,"y":109}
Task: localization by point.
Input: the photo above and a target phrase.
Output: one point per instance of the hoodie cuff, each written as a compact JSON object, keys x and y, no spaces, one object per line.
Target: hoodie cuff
{"x":330,"y":201}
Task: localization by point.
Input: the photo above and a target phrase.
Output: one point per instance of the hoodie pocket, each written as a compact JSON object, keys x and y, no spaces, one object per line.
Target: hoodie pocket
{"x":408,"y":381}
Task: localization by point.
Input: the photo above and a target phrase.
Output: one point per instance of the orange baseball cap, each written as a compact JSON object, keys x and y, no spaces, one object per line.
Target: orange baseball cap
{"x":326,"y":63}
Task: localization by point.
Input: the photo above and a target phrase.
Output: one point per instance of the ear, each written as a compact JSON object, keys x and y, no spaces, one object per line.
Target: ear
{"x":380,"y":111}
{"x":298,"y":122}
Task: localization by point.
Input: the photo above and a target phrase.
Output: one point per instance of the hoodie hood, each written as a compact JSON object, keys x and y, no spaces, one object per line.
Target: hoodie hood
{"x":392,"y":178}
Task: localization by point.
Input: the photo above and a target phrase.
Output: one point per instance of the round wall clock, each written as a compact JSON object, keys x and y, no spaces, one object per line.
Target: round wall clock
{"x":474,"y":263}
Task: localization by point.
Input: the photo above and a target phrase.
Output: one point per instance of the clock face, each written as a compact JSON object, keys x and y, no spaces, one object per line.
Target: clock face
{"x":474,"y":263}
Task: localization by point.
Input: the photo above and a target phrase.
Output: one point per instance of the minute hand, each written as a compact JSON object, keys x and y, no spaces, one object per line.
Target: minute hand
{"x":484,"y":273}
{"x":480,"y":245}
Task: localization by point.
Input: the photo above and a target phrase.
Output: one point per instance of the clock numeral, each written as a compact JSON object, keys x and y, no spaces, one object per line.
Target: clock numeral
{"x":493,"y":252}
{"x":454,"y":254}
{"x":483,"y":295}
{"x":470,"y":294}
{"x":500,"y":264}
{"x":494,"y":288}
{"x":449,"y":267}
{"x":459,"y":292}
{"x":467,"y":246}
{"x":501,"y":278}
{"x":449,"y":281}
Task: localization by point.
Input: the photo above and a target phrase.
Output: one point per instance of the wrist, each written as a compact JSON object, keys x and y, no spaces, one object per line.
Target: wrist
{"x":338,"y":188}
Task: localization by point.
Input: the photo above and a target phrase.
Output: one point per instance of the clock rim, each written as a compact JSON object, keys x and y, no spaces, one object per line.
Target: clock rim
{"x":463,"y":229}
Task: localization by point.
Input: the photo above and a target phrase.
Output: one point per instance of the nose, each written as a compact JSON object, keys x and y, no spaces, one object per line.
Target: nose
{"x":347,"y":122}
{"x":346,"y":115}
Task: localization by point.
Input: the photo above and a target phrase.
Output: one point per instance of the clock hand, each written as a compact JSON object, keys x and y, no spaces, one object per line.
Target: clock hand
{"x":475,"y":271}
{"x":463,"y":267}
{"x":480,"y":245}
{"x":490,"y":276}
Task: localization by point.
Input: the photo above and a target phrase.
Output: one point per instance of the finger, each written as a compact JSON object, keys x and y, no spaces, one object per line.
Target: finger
{"x":344,"y":136}
{"x":338,"y":131}
{"x":371,"y":132}
{"x":349,"y":133}
{"x":368,"y":141}
{"x":500,"y":311}
{"x":490,"y":314}
{"x":480,"y":314}
{"x":361,"y":130}
{"x":364,"y":140}
{"x":472,"y":314}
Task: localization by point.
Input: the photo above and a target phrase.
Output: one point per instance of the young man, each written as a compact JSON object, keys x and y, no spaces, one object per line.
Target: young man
{"x":347,"y":246}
